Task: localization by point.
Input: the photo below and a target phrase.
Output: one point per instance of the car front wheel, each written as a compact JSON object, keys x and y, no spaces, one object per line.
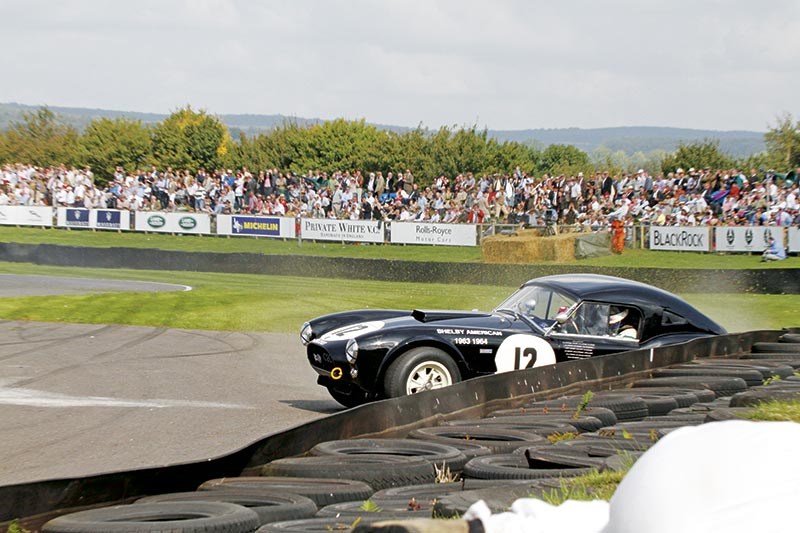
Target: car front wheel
{"x":420,"y":369}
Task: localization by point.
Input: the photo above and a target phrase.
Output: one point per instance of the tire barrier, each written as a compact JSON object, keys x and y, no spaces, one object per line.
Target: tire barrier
{"x":321,"y":491}
{"x":438,"y":454}
{"x":378,"y":471}
{"x":188,"y":517}
{"x":269,"y":506}
{"x":521,"y":393}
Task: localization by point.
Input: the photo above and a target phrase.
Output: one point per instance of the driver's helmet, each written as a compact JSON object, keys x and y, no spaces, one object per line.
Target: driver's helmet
{"x":615,"y":319}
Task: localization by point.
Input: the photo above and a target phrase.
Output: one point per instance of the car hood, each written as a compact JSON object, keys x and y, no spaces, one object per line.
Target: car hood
{"x":353,"y":324}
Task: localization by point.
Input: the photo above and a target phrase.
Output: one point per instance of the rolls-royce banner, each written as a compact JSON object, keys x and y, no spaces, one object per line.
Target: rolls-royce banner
{"x":427,"y":233}
{"x":73,"y":217}
{"x":324,"y":229}
{"x":685,"y":238}
{"x":23,"y":215}
{"x":794,"y":239}
{"x":172,"y":222}
{"x":746,"y":238}
{"x":252,"y":226}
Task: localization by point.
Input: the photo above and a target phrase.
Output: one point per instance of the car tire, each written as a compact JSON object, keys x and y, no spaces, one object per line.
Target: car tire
{"x":187,"y":517}
{"x":322,"y":491}
{"x":437,"y":453}
{"x":420,"y":369}
{"x":270,"y":507}
{"x":349,"y":398}
{"x":515,"y":466}
{"x":379,"y":471}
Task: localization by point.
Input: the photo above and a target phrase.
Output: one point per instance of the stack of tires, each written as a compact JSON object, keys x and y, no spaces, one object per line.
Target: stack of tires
{"x":440,"y":471}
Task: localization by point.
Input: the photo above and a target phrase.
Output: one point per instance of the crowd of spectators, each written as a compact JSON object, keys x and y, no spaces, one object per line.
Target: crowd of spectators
{"x":691,"y":197}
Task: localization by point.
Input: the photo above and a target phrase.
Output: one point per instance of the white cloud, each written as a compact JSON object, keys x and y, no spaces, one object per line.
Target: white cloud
{"x":509,"y":64}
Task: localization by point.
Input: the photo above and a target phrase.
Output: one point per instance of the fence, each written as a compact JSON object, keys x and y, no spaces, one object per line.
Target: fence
{"x":733,"y":239}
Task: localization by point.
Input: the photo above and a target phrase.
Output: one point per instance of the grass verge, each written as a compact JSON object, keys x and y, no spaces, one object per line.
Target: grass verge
{"x":249,"y":302}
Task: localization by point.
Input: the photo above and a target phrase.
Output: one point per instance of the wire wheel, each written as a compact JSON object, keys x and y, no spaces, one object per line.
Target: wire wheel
{"x":428,"y":375}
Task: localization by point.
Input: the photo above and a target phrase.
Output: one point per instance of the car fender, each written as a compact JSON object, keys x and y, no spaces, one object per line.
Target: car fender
{"x":414,"y":342}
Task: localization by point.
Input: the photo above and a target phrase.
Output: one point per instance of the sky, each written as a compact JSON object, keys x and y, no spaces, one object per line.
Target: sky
{"x":500,"y":64}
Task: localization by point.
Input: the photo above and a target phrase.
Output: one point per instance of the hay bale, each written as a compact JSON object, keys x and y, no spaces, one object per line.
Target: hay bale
{"x":528,"y":246}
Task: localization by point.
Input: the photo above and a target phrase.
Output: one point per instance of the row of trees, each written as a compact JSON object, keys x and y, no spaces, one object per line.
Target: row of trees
{"x":190,"y":139}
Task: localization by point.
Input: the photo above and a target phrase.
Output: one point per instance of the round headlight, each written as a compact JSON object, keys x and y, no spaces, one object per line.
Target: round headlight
{"x":306,"y":333}
{"x":351,"y":351}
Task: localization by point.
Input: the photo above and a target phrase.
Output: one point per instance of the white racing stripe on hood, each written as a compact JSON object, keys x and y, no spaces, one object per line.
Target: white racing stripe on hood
{"x":351,"y":331}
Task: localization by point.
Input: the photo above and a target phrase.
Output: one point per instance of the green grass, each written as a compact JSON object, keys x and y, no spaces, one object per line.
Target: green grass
{"x":776,"y":411}
{"x":248,"y":302}
{"x":456,"y":254}
{"x":592,"y":486}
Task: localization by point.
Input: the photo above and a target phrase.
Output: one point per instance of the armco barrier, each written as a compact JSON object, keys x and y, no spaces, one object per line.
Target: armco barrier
{"x":772,"y":281}
{"x":37,"y":502}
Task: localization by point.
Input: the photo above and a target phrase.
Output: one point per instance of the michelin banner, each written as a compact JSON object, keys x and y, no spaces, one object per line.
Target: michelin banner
{"x":23,"y":215}
{"x":323,"y":229}
{"x":680,"y":238}
{"x":111,"y":219}
{"x":746,"y":238}
{"x":428,"y":233}
{"x":194,"y":223}
{"x":253,"y":226}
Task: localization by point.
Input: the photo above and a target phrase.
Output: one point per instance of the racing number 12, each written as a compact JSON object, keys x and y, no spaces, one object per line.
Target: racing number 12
{"x":528,"y":354}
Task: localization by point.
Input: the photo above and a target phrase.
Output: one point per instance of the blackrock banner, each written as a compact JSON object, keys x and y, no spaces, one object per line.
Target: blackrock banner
{"x":428,"y":233}
{"x":323,"y":229}
{"x":680,"y":238}
{"x":253,"y":226}
{"x":794,"y":239}
{"x":112,"y":219}
{"x":23,"y":215}
{"x":746,"y":238}
{"x":195,"y":223}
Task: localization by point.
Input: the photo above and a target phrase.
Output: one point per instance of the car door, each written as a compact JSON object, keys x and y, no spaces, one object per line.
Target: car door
{"x":596,"y":328}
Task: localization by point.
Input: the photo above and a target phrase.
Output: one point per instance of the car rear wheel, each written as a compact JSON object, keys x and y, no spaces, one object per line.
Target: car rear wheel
{"x":420,"y":369}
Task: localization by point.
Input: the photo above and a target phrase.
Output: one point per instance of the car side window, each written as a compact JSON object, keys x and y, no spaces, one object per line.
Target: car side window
{"x":604,"y":320}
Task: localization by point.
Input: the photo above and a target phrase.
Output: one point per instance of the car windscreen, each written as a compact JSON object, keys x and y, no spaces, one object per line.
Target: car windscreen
{"x":540,"y":304}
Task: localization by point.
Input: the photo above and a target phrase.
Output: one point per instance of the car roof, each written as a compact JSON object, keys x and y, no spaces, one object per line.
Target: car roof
{"x":619,"y":290}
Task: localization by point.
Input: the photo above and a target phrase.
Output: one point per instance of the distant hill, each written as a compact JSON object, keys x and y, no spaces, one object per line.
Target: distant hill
{"x":629,"y":139}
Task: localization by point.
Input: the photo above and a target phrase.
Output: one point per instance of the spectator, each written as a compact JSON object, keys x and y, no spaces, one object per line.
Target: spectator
{"x":774,"y":252}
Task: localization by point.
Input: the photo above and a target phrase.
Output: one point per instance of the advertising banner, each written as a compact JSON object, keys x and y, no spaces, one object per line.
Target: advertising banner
{"x":746,"y":238}
{"x":323,"y":229}
{"x":794,"y":239}
{"x":24,"y":215}
{"x":256,"y":226}
{"x":680,"y":238}
{"x":427,"y":233}
{"x":112,"y":219}
{"x":194,"y":223}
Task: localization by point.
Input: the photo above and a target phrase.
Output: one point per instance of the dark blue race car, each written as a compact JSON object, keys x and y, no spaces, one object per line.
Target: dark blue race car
{"x":371,"y":354}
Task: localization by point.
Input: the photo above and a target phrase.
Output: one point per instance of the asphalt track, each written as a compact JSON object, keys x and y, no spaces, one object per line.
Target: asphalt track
{"x":77,"y":400}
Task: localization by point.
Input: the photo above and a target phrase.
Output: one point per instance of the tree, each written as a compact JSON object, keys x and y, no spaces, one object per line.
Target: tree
{"x":783,"y":143}
{"x":41,"y":139}
{"x":699,"y":154}
{"x":108,"y":143}
{"x":563,"y":159}
{"x":189,"y":139}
